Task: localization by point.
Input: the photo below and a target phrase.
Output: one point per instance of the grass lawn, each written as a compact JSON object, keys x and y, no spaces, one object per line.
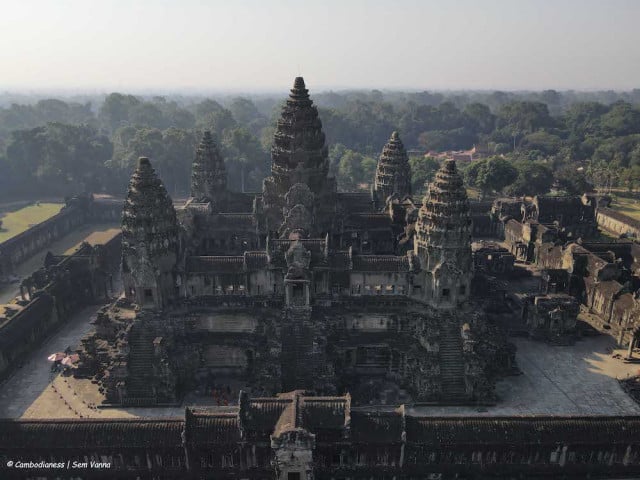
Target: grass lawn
{"x":628,"y":206}
{"x":14,"y":223}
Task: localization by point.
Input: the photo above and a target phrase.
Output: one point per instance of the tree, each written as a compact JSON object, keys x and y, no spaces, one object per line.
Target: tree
{"x":545,"y":142}
{"x":355,"y":169}
{"x":479,"y":118}
{"x":179,"y":150}
{"x":631,"y":177}
{"x":116,"y":110}
{"x":147,"y":114}
{"x":533,"y":179}
{"x":491,"y":174}
{"x":573,"y":180}
{"x":58,"y":158}
{"x":245,"y":113}
{"x":423,"y":170}
{"x":524,"y":117}
{"x":621,"y":119}
{"x":247,"y":163}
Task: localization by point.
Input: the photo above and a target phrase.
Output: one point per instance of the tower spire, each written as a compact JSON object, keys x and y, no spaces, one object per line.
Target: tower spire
{"x":443,"y":238}
{"x":208,"y":174}
{"x":149,"y":239}
{"x":393,"y":173}
{"x":299,"y":156}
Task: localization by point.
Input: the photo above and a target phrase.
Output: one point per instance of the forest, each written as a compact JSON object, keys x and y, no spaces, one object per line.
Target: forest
{"x":534,"y":140}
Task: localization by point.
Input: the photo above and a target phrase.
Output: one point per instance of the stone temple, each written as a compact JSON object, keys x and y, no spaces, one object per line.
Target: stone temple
{"x":297,"y":287}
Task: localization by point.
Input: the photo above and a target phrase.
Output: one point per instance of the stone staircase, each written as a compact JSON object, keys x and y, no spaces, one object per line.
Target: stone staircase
{"x":451,"y":362}
{"x":141,"y":377}
{"x":296,"y":349}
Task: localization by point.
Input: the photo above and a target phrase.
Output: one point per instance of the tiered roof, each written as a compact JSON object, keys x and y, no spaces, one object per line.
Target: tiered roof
{"x":443,"y":219}
{"x":208,"y":174}
{"x":393,"y":173}
{"x":148,"y":216}
{"x":299,"y":142}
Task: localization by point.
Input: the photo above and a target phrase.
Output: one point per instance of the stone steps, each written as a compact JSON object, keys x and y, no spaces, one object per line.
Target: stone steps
{"x":296,"y":349}
{"x":140,"y":365}
{"x":451,"y":361}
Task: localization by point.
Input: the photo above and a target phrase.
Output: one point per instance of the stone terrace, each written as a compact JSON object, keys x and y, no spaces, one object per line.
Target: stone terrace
{"x":569,"y":380}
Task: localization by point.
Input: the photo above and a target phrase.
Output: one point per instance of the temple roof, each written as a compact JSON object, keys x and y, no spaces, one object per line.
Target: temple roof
{"x":299,"y":148}
{"x":368,"y":221}
{"x":381,"y":263}
{"x":84,"y":434}
{"x":327,"y":417}
{"x":206,"y":427}
{"x":208,"y":174}
{"x":148,"y":216}
{"x":215,"y":264}
{"x":393,"y":173}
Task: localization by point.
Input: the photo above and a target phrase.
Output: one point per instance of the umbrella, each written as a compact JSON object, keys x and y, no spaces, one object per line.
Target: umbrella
{"x":67,"y":362}
{"x":56,"y":357}
{"x":71,"y":359}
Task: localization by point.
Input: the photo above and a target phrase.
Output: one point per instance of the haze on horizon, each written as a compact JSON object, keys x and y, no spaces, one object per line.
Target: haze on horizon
{"x":257,"y":45}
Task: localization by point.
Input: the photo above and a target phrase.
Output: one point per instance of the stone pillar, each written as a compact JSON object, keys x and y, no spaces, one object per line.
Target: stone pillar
{"x":287,"y":293}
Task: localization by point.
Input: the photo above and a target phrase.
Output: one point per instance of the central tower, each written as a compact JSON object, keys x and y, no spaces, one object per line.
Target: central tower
{"x":299,"y":161}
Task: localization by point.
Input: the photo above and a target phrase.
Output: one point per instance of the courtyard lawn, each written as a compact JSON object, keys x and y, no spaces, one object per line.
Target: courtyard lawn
{"x":14,"y":223}
{"x":628,"y":206}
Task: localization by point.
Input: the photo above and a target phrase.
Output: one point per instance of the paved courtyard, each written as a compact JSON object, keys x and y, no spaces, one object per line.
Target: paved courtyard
{"x":573,"y":380}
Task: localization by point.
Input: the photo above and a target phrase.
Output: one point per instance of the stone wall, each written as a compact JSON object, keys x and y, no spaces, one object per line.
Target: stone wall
{"x":19,"y":248}
{"x":618,"y":223}
{"x":52,"y":294}
{"x":77,"y":212}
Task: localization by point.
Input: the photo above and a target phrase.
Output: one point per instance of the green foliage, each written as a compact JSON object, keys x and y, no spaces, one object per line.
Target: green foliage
{"x":630,"y":177}
{"x":491,"y":174}
{"x":423,"y":170}
{"x":355,"y":170}
{"x":247,"y":162}
{"x":533,"y":178}
{"x":572,"y":180}
{"x":524,"y":117}
{"x":57,"y":147}
{"x":621,"y":119}
{"x":57,"y":158}
{"x":543,"y":142}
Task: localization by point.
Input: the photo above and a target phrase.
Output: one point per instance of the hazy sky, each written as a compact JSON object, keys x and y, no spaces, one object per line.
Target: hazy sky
{"x":261,"y":45}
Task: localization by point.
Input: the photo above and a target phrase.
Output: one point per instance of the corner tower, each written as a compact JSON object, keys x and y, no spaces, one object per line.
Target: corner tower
{"x":149,"y":240}
{"x":299,"y":156}
{"x":208,"y":173}
{"x":393,"y":173}
{"x":443,"y":239}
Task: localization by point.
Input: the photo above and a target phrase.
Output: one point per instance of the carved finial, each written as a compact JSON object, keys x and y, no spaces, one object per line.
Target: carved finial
{"x":298,"y":83}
